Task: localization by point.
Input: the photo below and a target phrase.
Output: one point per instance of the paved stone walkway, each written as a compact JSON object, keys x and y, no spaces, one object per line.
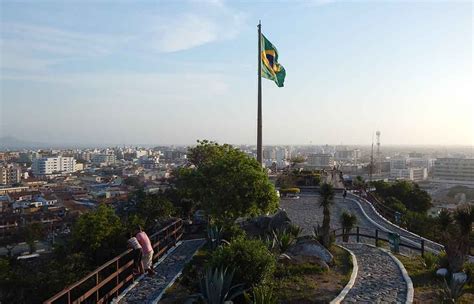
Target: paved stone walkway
{"x":149,"y":288}
{"x":379,"y":279}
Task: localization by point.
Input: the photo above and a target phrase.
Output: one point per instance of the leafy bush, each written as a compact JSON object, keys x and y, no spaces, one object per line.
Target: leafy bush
{"x":232,"y":231}
{"x":252,"y":261}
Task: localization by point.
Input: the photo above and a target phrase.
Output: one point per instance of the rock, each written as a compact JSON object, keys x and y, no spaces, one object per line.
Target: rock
{"x":442,"y":272}
{"x":263,"y":221}
{"x":460,"y":277}
{"x":307,"y":246}
{"x":279,"y":221}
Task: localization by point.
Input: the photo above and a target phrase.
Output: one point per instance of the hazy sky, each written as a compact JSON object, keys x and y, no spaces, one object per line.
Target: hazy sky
{"x":167,"y":72}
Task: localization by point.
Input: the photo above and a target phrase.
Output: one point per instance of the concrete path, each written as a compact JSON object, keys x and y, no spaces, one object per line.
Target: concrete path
{"x":149,"y":288}
{"x":379,"y":279}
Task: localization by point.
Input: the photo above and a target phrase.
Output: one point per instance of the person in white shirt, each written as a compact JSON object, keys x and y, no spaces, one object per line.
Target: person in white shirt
{"x":137,"y":254}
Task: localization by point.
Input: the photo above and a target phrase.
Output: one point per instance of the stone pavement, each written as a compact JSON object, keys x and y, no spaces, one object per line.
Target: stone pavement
{"x":149,"y":288}
{"x":379,"y":279}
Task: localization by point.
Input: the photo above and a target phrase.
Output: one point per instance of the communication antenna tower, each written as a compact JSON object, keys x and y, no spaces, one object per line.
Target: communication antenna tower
{"x":379,"y":155}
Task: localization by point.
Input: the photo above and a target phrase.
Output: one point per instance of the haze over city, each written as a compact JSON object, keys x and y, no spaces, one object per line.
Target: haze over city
{"x":171,"y":72}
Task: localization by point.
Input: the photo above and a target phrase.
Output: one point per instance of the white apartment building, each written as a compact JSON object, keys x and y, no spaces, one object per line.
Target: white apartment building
{"x":50,"y":165}
{"x":9,"y":174}
{"x":454,"y":170}
{"x":413,"y":174}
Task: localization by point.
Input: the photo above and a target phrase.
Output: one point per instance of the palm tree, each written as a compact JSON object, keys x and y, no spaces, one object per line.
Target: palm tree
{"x":456,"y":237}
{"x":327,"y":195}
{"x":348,"y":221}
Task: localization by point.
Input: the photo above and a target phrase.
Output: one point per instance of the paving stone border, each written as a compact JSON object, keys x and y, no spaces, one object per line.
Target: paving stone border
{"x":347,"y":288}
{"x":406,"y":277}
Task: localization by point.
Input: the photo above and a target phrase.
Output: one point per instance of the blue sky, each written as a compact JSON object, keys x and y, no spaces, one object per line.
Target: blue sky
{"x":164,"y":72}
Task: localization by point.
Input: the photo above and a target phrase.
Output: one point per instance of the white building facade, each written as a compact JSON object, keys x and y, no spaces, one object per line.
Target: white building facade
{"x":50,"y":165}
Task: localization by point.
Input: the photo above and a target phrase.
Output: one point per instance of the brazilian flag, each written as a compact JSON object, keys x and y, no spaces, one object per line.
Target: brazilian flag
{"x":271,"y":69}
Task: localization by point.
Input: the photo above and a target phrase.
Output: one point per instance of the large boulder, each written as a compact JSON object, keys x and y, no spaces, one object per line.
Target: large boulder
{"x":307,"y":246}
{"x":279,"y":221}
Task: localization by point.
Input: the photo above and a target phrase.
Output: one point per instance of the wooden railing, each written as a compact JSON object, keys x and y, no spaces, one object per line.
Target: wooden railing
{"x":107,"y":281}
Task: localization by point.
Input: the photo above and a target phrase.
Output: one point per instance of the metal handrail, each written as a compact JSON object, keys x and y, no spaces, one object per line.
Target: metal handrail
{"x":174,"y":235}
{"x":358,"y":234}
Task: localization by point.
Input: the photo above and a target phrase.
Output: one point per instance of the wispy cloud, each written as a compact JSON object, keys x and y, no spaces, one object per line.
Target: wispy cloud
{"x":214,"y":21}
{"x":28,"y":47}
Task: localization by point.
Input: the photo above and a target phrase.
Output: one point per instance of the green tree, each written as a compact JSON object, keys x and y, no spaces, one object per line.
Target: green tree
{"x":327,"y":195}
{"x":153,"y":207}
{"x":226,"y":182}
{"x":457,"y":236}
{"x":32,"y":233}
{"x":98,"y":234}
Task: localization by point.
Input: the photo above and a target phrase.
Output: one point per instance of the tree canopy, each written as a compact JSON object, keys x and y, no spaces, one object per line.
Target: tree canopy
{"x":408,"y":193}
{"x":226,"y":182}
{"x":99,"y":234}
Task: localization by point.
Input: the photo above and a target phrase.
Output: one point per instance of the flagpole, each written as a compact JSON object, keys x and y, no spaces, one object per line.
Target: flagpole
{"x":259,"y":108}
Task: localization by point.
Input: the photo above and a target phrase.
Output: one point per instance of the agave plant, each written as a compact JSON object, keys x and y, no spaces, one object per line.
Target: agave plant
{"x":214,"y":236}
{"x":295,"y":230}
{"x":452,"y":291}
{"x":283,"y":240}
{"x":216,"y":287}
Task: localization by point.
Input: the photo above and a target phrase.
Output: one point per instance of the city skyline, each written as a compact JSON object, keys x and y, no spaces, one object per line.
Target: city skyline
{"x":171,"y":73}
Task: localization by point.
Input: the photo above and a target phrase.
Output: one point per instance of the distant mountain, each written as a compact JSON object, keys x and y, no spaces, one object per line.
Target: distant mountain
{"x":10,"y":143}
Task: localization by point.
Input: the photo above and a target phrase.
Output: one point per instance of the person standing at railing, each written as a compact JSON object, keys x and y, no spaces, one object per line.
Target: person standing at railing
{"x":147,"y":250}
{"x":137,"y":254}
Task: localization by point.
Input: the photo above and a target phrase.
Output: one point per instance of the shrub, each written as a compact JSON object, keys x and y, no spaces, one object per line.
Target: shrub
{"x":232,"y":231}
{"x":263,"y":294}
{"x":431,"y":260}
{"x":469,"y":270}
{"x":250,"y":259}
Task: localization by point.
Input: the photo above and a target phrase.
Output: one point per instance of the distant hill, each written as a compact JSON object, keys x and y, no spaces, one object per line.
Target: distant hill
{"x":11,"y":143}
